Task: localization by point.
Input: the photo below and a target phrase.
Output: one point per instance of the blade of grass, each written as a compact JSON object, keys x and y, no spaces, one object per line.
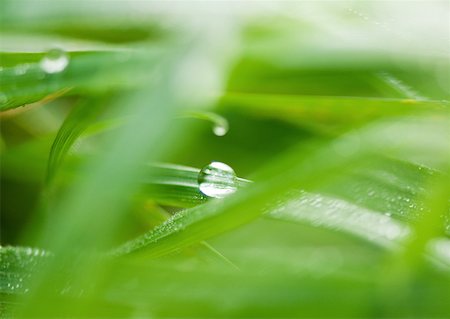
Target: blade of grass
{"x":116,"y":171}
{"x":73,"y":126}
{"x":294,"y":170}
{"x":326,"y":114}
{"x":86,"y":73}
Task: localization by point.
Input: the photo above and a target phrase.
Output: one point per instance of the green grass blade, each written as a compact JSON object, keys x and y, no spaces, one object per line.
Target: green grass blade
{"x":327,"y":114}
{"x":73,"y":126}
{"x":307,"y":171}
{"x":87,"y":73}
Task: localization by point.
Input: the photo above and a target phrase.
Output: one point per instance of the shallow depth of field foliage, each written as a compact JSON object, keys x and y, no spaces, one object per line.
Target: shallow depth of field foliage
{"x":334,"y":116}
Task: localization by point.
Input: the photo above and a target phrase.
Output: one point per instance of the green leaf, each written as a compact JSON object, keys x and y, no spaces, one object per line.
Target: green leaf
{"x":326,"y":114}
{"x":87,"y":73}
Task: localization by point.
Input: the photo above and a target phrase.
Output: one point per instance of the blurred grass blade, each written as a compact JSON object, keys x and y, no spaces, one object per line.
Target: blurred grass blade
{"x":326,"y":114}
{"x":342,"y":216}
{"x":73,"y":126}
{"x":386,"y":186}
{"x":115,"y":170}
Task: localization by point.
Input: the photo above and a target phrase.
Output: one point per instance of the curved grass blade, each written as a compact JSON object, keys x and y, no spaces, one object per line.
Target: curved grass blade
{"x":220,"y":124}
{"x":337,"y":214}
{"x":295,"y":170}
{"x":386,"y":185}
{"x":81,"y":120}
{"x":116,"y":171}
{"x":389,"y":187}
{"x":73,"y":126}
{"x":269,"y":250}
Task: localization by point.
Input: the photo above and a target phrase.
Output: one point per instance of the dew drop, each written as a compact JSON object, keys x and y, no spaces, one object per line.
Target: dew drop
{"x":217,"y":180}
{"x":220,"y":129}
{"x":55,"y":61}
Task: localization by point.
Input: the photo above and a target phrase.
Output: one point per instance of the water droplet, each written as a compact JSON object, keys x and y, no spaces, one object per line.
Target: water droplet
{"x":220,"y":129}
{"x":55,"y":61}
{"x":217,"y":180}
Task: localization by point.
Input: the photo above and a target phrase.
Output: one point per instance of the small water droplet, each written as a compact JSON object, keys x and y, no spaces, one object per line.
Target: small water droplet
{"x":55,"y":61}
{"x":220,"y":130}
{"x":217,"y":180}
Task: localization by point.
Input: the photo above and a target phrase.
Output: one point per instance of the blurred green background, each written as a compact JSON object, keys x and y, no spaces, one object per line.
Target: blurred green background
{"x":333,"y":115}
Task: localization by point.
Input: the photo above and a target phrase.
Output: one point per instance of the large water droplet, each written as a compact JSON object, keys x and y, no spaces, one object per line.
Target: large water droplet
{"x":217,"y":180}
{"x":55,"y":61}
